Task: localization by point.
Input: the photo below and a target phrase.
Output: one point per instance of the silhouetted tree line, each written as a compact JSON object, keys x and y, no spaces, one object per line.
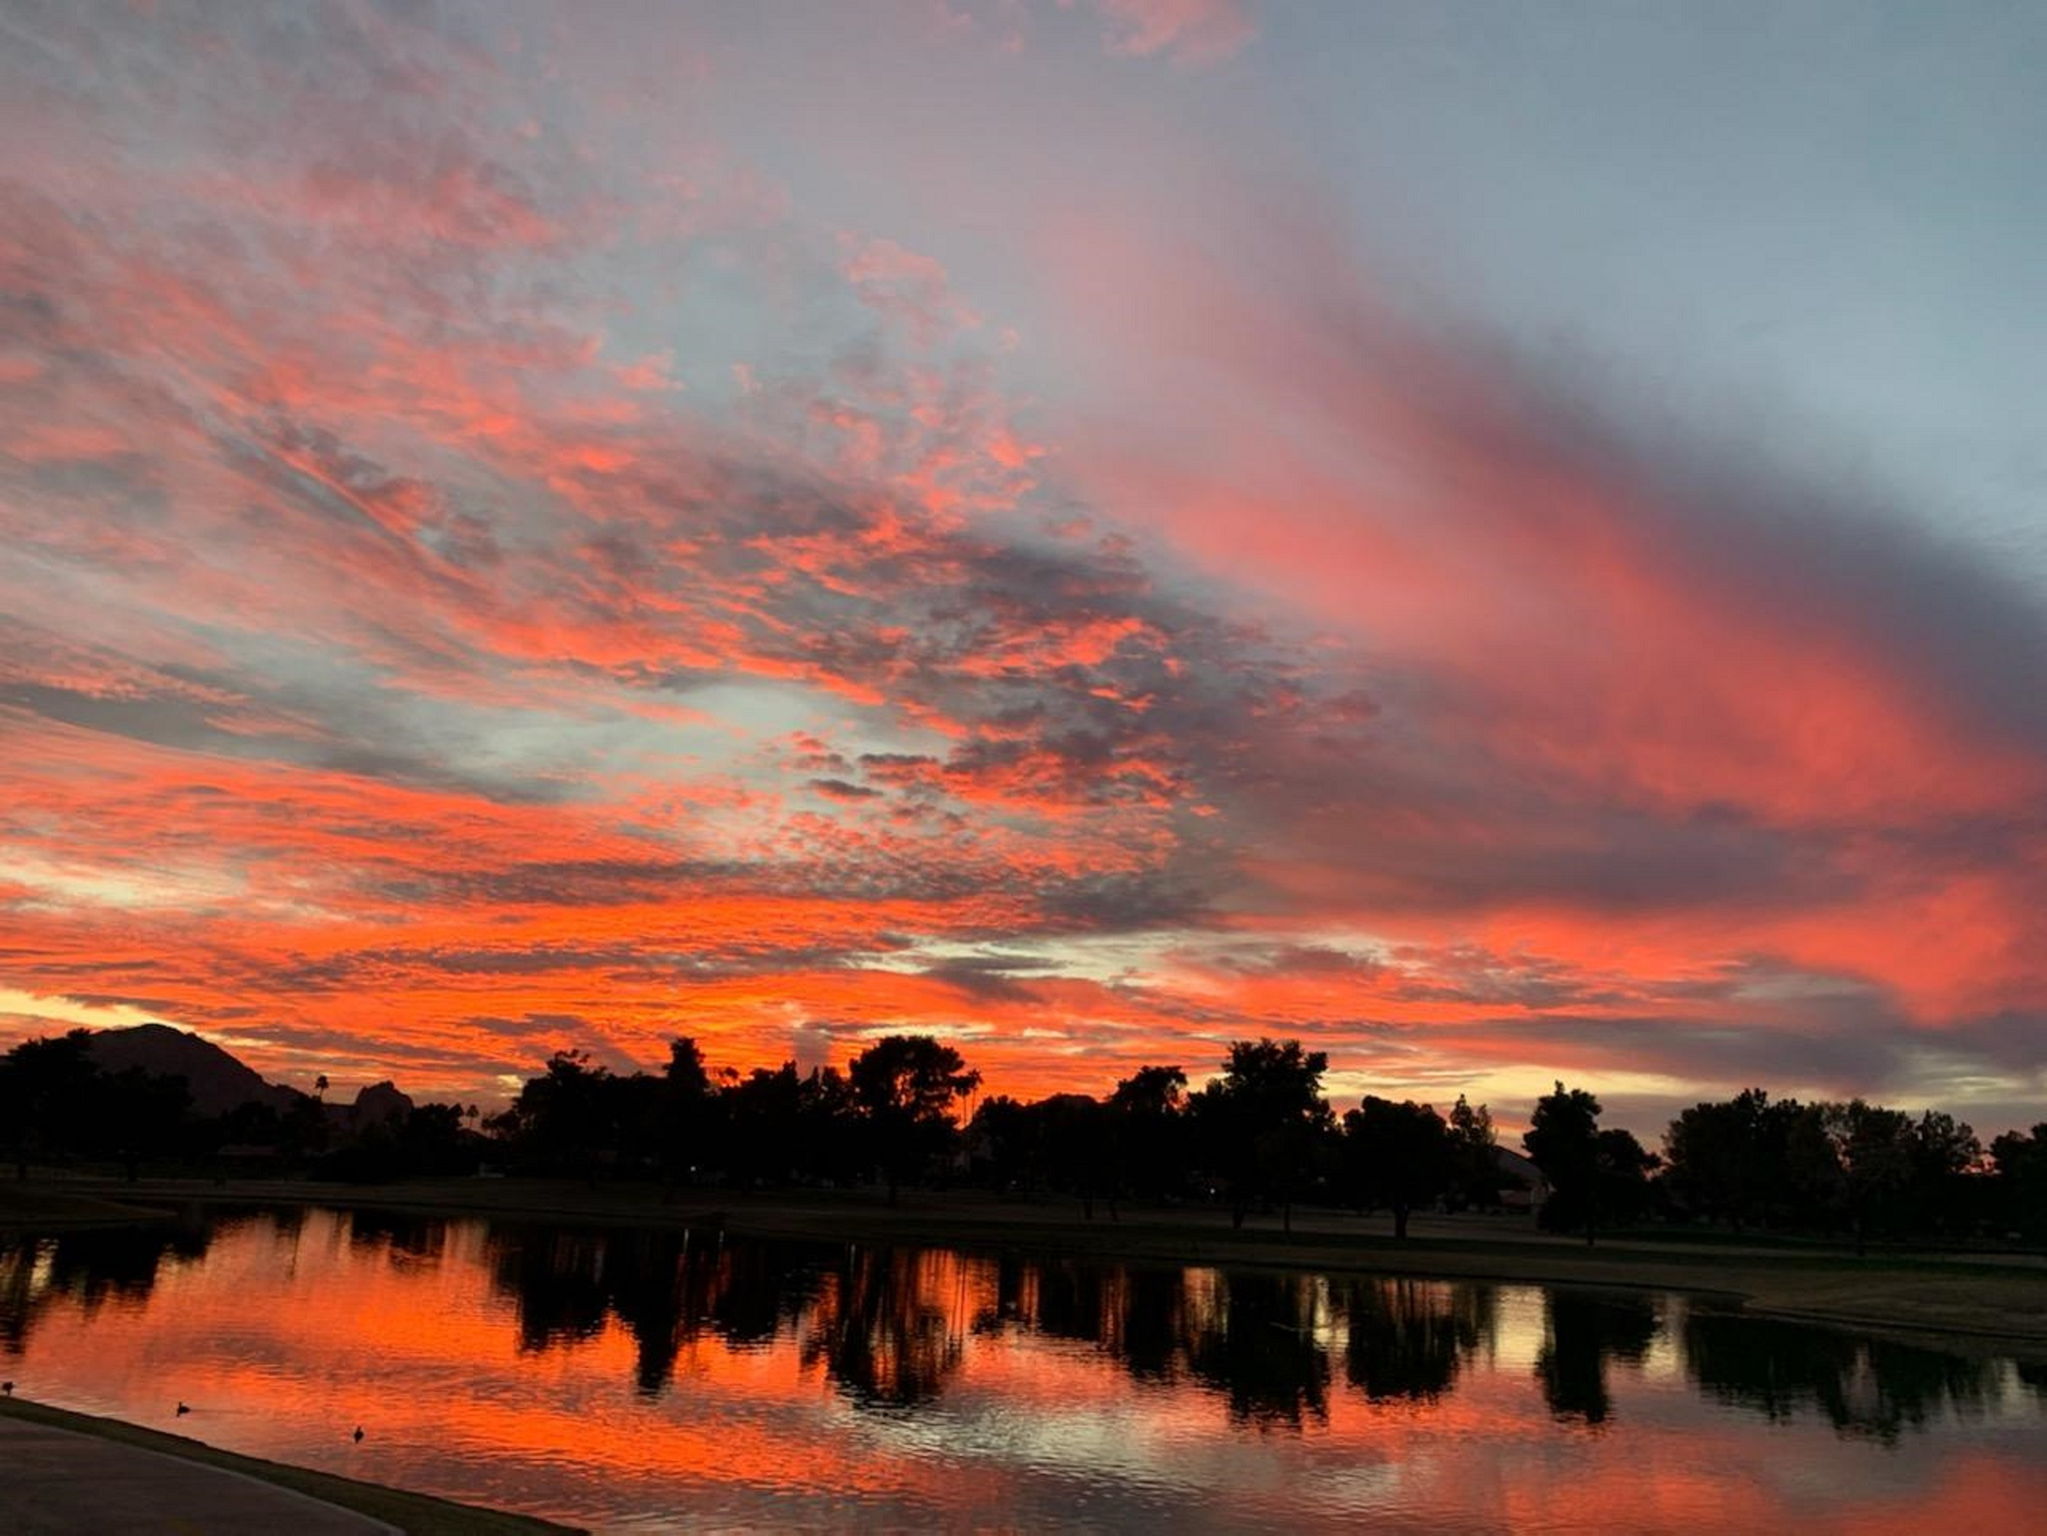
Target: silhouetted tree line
{"x":1858,"y":1169}
{"x":1262,"y":1136}
{"x":58,"y":1106}
{"x":888,"y":1115}
{"x":1259,"y":1137}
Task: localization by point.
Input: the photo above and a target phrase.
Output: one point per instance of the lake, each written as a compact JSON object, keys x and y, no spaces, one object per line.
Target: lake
{"x":661,"y":1380}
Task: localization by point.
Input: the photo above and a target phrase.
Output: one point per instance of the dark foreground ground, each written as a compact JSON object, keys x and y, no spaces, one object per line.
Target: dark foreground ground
{"x":1971,"y":1302}
{"x":69,"y":1474}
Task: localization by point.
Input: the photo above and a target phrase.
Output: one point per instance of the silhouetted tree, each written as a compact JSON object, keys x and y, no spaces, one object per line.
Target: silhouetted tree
{"x":560,"y":1118}
{"x":302,"y":1127}
{"x":143,"y":1115}
{"x":906,"y":1086}
{"x":1398,"y":1156}
{"x":1475,"y":1172}
{"x":1808,"y":1190}
{"x":634,"y":1121}
{"x":1873,"y":1146}
{"x":687,"y":1111}
{"x":828,"y":1125}
{"x":432,"y":1139}
{"x":1002,"y":1141}
{"x":1262,"y":1123}
{"x":254,"y":1124}
{"x":1598,"y":1176}
{"x":1077,"y":1148}
{"x":2020,"y":1188}
{"x":1622,"y":1190}
{"x":1151,"y":1130}
{"x":1751,"y":1159}
{"x":763,"y":1125}
{"x":1718,"y":1157}
{"x":1944,"y":1156}
{"x":1563,"y":1141}
{"x":46,"y":1086}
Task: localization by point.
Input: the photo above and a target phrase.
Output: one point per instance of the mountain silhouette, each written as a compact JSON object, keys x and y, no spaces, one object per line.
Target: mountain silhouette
{"x":218,"y":1082}
{"x":379,"y":1104}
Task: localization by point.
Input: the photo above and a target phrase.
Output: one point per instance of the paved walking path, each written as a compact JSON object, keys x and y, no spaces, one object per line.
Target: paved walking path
{"x":55,"y":1482}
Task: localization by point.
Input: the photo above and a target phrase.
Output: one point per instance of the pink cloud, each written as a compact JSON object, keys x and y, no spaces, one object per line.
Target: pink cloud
{"x":391,"y":648}
{"x":1189,"y":32}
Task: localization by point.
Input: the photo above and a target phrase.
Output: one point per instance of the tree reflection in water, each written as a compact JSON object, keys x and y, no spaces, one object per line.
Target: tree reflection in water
{"x":1408,"y":1338}
{"x":890,"y":1325}
{"x":666,"y":1288}
{"x":1864,"y":1387}
{"x":87,"y":1269}
{"x":890,"y":1328}
{"x":1584,"y":1332}
{"x":1063,"y":1298}
{"x":403,"y":1239}
{"x":1251,"y":1336}
{"x":565,"y":1282}
{"x":1258,"y":1344}
{"x":1150,"y":1314}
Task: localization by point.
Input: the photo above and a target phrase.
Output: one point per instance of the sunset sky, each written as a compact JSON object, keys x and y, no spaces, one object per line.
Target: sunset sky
{"x":1503,"y":540}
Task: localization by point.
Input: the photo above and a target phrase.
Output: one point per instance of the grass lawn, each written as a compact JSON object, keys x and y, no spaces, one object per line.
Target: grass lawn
{"x":35,"y":1207}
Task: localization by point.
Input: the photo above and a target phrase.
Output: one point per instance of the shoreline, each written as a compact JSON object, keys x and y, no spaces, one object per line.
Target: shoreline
{"x":68,"y":1208}
{"x":417,"y":1514}
{"x":1966,"y":1303}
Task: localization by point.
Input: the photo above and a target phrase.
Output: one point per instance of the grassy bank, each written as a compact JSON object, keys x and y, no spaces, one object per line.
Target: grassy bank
{"x":53,"y":1208}
{"x":418,"y":1514}
{"x":1974,"y":1303}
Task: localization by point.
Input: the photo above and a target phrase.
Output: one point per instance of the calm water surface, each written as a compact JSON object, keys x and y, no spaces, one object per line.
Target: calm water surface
{"x":635,"y":1381}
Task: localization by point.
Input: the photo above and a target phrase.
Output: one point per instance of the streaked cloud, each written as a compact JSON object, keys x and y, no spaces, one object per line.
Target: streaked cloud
{"x":499,"y":557}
